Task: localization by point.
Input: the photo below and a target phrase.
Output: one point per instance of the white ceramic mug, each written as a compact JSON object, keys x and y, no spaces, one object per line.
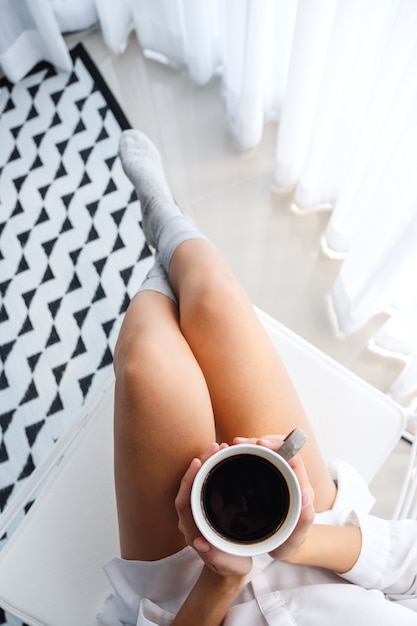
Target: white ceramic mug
{"x":246,"y":499}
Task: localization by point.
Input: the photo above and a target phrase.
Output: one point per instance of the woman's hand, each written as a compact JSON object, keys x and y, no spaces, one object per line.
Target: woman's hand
{"x":288,"y":551}
{"x":219,"y":562}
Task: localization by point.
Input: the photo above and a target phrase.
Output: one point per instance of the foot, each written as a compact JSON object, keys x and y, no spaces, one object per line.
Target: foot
{"x":142,"y":164}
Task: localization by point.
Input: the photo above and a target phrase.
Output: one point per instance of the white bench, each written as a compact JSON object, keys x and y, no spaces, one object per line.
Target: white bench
{"x":51,"y":568}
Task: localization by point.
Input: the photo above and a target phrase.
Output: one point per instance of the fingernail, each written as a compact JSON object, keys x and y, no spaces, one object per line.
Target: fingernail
{"x":201,"y":545}
{"x":305,"y":498}
{"x":264,"y":442}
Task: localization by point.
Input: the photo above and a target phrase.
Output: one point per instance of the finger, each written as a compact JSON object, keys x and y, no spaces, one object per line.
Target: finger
{"x":212,"y":449}
{"x":273,"y":442}
{"x":270,"y":441}
{"x":308,"y":513}
{"x":273,"y":438}
{"x":182,"y":500}
{"x":238,"y":440}
{"x":186,"y":522}
{"x":299,"y":469}
{"x":201,"y":545}
{"x":307,"y":508}
{"x":183,"y":496}
{"x":188,"y":478}
{"x":191,"y":471}
{"x":298,"y":536}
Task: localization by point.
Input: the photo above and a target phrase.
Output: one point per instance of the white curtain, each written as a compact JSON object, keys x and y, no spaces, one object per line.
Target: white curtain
{"x":29,"y":33}
{"x":348,"y":141}
{"x":340,"y":78}
{"x":249,"y":41}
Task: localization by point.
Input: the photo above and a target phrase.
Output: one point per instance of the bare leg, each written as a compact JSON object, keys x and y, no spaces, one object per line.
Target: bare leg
{"x":163,"y":418}
{"x":251,"y":392}
{"x":171,"y":374}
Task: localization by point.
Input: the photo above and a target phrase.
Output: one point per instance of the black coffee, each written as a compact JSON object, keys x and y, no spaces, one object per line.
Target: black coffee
{"x":245,"y":498}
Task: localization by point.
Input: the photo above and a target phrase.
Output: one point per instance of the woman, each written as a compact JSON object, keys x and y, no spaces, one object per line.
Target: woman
{"x":194,"y":366}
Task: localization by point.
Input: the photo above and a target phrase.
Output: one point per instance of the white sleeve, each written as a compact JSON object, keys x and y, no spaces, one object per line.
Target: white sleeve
{"x":115,"y":613}
{"x":388,"y":558}
{"x":151,"y":614}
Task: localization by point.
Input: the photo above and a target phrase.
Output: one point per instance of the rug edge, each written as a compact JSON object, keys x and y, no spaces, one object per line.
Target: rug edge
{"x":79,"y":51}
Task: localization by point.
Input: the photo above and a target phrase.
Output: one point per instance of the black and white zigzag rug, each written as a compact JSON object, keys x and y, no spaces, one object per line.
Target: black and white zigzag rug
{"x":72,"y":254}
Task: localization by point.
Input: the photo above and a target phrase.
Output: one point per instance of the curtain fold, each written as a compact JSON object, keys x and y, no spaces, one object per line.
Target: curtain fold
{"x":29,"y":33}
{"x":246,"y":41}
{"x":339,"y":78}
{"x":115,"y":24}
{"x":73,"y":15}
{"x":312,"y":32}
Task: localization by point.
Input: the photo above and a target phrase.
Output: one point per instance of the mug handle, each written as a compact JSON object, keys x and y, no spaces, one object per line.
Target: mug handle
{"x":293,"y":442}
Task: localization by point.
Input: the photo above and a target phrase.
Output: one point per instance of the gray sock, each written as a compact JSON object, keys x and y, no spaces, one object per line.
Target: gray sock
{"x":157,"y":280}
{"x":164,"y":224}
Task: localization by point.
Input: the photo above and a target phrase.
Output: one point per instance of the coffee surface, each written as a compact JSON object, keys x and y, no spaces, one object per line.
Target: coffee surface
{"x":245,"y":498}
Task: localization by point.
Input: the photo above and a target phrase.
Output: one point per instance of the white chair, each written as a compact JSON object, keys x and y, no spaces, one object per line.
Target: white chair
{"x":51,"y":568}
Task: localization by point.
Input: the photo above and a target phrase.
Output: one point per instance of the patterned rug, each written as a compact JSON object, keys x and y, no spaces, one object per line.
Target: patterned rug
{"x":72,"y":254}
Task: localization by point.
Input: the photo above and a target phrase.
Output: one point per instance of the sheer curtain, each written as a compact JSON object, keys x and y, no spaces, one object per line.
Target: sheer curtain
{"x":29,"y":33}
{"x":339,"y":77}
{"x":248,"y":41}
{"x":348,"y":141}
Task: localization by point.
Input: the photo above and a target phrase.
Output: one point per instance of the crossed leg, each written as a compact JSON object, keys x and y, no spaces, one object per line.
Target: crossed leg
{"x":187,"y":374}
{"x":183,"y":375}
{"x":162,"y":419}
{"x":251,"y":392}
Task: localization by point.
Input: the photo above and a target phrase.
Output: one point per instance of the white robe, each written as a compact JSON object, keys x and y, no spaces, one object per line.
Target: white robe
{"x":380,"y":589}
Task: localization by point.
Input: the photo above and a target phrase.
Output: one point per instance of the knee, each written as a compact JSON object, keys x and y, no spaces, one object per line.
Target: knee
{"x":218,"y":297}
{"x":137,"y":357}
{"x":148,"y":327}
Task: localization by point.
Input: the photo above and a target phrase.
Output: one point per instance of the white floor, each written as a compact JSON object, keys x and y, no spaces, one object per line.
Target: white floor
{"x":275,"y":252}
